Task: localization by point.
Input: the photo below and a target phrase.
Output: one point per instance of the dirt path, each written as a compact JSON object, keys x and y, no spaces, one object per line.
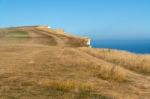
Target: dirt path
{"x":58,"y":40}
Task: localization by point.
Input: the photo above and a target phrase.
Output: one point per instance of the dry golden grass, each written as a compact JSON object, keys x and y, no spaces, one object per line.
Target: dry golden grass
{"x":138,"y":63}
{"x":78,"y":90}
{"x":111,"y":72}
{"x":43,"y":67}
{"x":68,"y":85}
{"x":97,"y":67}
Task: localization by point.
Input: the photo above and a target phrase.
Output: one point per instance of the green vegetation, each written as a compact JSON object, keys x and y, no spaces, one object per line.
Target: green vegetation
{"x":18,"y":34}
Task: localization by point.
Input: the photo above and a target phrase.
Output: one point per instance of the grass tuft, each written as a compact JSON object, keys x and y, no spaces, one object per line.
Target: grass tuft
{"x":134,"y":62}
{"x":66,"y":85}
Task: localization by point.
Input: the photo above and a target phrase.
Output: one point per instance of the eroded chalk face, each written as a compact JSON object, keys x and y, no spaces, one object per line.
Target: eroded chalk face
{"x":89,"y":42}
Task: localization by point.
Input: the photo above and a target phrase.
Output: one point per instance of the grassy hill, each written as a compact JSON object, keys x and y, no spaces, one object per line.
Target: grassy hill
{"x":41,"y":63}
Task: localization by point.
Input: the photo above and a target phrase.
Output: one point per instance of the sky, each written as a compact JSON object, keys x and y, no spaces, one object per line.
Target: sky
{"x":97,"y":19}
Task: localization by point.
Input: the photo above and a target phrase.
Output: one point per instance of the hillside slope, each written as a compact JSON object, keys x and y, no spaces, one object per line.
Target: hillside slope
{"x":41,"y":63}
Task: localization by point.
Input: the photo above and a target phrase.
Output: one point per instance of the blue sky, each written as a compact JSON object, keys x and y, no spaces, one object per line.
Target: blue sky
{"x":100,"y":19}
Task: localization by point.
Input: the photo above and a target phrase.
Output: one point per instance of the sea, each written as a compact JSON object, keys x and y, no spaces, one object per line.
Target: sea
{"x":134,"y":46}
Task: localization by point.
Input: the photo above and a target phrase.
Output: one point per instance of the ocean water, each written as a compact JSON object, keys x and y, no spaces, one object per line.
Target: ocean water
{"x":135,"y":46}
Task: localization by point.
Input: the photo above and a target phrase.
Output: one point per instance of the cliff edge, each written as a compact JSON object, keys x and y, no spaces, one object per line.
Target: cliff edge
{"x":38,"y":62}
